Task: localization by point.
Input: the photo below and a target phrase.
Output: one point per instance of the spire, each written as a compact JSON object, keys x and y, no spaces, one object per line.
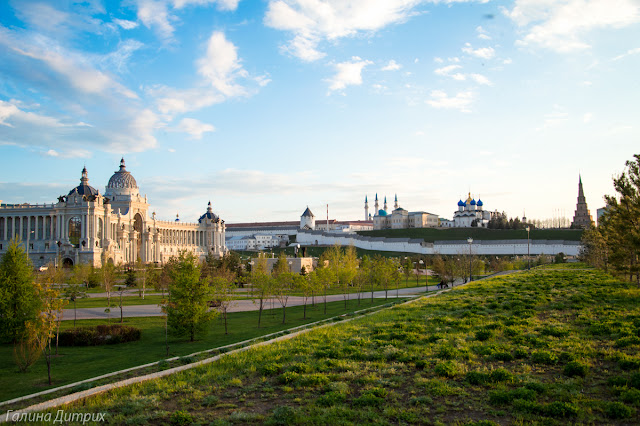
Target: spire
{"x":395,"y":204}
{"x":366,"y":201}
{"x":122,"y":166}
{"x":209,"y":210}
{"x":376,"y":196}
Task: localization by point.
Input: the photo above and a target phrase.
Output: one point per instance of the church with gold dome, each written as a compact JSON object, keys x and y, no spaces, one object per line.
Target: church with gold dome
{"x":471,"y":213}
{"x":86,"y":226}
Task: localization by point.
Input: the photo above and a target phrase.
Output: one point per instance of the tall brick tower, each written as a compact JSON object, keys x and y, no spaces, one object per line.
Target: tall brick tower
{"x":582,"y":217}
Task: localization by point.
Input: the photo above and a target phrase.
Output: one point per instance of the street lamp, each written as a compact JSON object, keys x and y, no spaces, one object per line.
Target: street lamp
{"x":426,"y":289}
{"x":470,"y":241}
{"x":528,"y":252}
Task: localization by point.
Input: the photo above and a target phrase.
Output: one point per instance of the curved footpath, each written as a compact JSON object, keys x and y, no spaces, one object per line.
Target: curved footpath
{"x":238,"y":305}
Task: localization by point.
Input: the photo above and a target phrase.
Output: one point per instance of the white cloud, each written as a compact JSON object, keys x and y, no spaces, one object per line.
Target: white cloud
{"x":560,"y":25}
{"x":482,"y":33}
{"x":312,"y":22}
{"x":481,"y":79}
{"x":124,"y":24}
{"x":627,"y":53}
{"x":120,"y":57}
{"x":155,"y":14}
{"x":461,"y":101}
{"x":221,"y":4}
{"x":391,"y":66}
{"x":482,"y":52}
{"x":438,"y":60}
{"x":587,"y":117}
{"x":447,"y":69}
{"x":174,"y":101}
{"x":12,"y":116}
{"x":220,"y":66}
{"x":348,"y":74}
{"x":194,"y":127}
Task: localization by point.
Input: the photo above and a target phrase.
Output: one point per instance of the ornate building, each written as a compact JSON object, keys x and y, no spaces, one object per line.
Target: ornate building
{"x":470,"y":213}
{"x":400,"y":218}
{"x":582,"y":217}
{"x":86,"y":226}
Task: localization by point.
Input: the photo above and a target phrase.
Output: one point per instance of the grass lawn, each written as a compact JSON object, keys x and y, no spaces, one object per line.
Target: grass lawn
{"x":78,"y":363}
{"x":435,"y":234}
{"x":548,"y":346}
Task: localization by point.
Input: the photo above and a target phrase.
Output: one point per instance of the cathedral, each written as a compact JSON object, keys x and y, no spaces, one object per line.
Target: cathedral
{"x":85,"y":226}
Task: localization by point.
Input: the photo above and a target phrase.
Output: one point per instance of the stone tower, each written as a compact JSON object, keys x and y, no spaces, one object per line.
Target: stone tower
{"x":582,"y":217}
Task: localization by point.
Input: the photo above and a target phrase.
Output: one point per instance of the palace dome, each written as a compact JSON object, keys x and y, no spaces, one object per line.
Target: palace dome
{"x":480,"y":202}
{"x":208,"y":215}
{"x":382,"y":213}
{"x":84,"y":188}
{"x":473,"y":202}
{"x":461,"y":203}
{"x":122,"y":178}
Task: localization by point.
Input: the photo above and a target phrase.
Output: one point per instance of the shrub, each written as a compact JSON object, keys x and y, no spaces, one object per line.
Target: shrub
{"x":502,"y":356}
{"x":560,"y":409}
{"x":617,"y":410}
{"x":630,"y":396}
{"x":420,"y":400}
{"x":446,"y":352}
{"x":288,"y":377}
{"x":283,"y":415}
{"x":420,"y":364}
{"x":629,"y":363}
{"x":500,"y":375}
{"x":99,"y":335}
{"x":575,"y":368}
{"x":520,"y":353}
{"x":627,"y":341}
{"x":535,"y":386}
{"x":368,"y":400}
{"x":181,"y":418}
{"x":476,"y":378}
{"x":330,"y":399}
{"x":482,"y":335}
{"x":317,"y":379}
{"x":446,"y":369}
{"x":271,"y":369}
{"x":544,"y":357}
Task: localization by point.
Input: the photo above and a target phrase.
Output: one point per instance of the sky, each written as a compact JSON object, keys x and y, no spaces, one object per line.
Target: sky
{"x":265,"y":107}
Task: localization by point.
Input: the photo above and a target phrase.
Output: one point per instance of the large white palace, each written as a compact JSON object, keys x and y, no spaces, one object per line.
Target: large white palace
{"x":89,"y":227}
{"x":399,"y":218}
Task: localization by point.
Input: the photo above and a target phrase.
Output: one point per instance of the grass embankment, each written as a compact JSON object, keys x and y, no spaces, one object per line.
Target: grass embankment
{"x":546,"y":346}
{"x":438,"y":234}
{"x":78,"y":363}
{"x":317,"y":251}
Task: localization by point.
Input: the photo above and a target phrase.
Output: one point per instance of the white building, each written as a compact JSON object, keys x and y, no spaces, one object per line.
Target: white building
{"x":86,"y":226}
{"x":470,"y":213}
{"x":400,"y":218}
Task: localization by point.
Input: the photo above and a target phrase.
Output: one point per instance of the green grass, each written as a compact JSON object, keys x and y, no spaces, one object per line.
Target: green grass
{"x":101,"y":302}
{"x":548,"y":346}
{"x":79,"y":363}
{"x":435,"y":234}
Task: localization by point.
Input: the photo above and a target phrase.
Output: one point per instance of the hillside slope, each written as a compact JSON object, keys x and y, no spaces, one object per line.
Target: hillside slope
{"x":550,"y":345}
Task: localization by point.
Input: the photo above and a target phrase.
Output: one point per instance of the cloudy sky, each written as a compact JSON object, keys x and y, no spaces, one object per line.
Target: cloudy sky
{"x":267,"y":106}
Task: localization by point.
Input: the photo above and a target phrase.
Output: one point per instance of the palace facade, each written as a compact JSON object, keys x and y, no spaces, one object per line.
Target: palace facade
{"x":85,"y":226}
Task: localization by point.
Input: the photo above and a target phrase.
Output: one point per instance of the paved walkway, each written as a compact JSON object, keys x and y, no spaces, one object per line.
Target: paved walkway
{"x":239,"y":305}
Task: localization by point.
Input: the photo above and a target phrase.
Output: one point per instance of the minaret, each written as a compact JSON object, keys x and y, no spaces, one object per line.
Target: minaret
{"x":366,"y":208}
{"x":385,"y":203}
{"x":376,"y":205}
{"x":84,"y":180}
{"x":395,"y":204}
{"x":582,"y":217}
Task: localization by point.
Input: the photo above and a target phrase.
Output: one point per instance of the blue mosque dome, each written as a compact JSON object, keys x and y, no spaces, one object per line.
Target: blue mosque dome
{"x":382,"y":213}
{"x":461,"y":203}
{"x":473,"y":202}
{"x":480,"y":202}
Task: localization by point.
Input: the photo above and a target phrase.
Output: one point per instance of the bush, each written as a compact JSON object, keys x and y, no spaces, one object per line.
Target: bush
{"x":500,"y":375}
{"x":502,"y":356}
{"x":575,"y":368}
{"x":330,"y":399}
{"x":477,"y":378}
{"x":99,"y":335}
{"x":482,"y":335}
{"x":630,"y":396}
{"x":181,"y":418}
{"x":283,"y":415}
{"x":560,"y":409}
{"x":617,"y":410}
{"x":446,"y":369}
{"x":628,"y":363}
{"x":288,"y":377}
{"x":544,"y":357}
{"x":624,"y":342}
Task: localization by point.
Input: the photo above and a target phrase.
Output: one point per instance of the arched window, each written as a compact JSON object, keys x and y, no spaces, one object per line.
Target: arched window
{"x":75,"y":230}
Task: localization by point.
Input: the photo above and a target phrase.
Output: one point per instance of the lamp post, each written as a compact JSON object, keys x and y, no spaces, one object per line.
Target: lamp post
{"x":470,"y":241}
{"x":426,"y":278}
{"x":528,"y":252}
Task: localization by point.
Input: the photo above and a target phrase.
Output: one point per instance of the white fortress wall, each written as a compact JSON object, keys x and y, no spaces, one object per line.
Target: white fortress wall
{"x":479,"y":247}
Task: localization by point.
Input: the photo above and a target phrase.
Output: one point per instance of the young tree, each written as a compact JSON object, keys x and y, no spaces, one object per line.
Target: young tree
{"x":46,"y":321}
{"x":363,"y":276}
{"x":142,"y":276}
{"x":80,"y":274}
{"x":222,"y":287}
{"x":261,"y":284}
{"x":285,"y":284}
{"x":407,"y":269}
{"x":29,"y":349}
{"x":323,"y":277}
{"x":306,"y":285}
{"x":593,"y":249}
{"x":19,"y":300}
{"x":72,"y":293}
{"x":189,"y":310}
{"x":108,"y":272}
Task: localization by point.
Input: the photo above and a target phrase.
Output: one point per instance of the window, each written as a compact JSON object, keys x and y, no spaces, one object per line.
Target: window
{"x":75,"y":229}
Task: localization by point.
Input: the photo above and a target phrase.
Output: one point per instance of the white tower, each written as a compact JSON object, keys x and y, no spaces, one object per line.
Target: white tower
{"x":376,"y":205}
{"x":307,"y":220}
{"x":385,"y":203}
{"x":366,"y":208}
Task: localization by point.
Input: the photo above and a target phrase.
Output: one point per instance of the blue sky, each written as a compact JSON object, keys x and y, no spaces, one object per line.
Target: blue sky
{"x":267,"y":106}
